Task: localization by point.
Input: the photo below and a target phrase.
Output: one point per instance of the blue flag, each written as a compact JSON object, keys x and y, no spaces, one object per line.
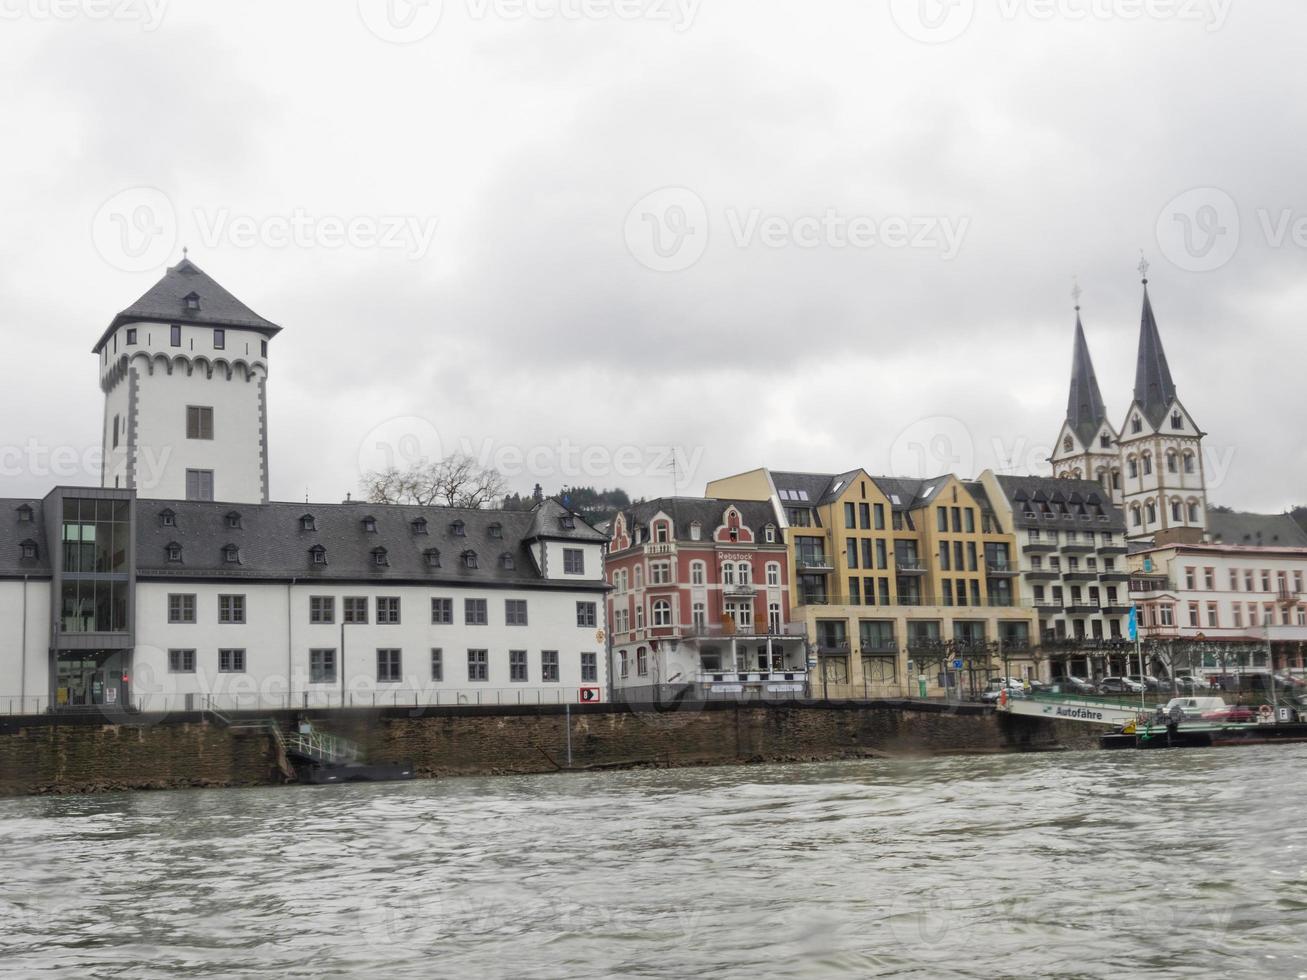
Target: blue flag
{"x":1134,"y":623}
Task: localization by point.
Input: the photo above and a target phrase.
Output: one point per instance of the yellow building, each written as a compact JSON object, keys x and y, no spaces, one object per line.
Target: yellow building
{"x":896,"y":579}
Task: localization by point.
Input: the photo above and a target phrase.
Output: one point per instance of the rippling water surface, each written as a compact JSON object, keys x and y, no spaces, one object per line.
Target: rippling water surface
{"x":1082,"y":864}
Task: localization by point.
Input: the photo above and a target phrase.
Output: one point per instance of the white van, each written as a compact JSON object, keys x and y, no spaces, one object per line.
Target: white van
{"x":1194,"y":707}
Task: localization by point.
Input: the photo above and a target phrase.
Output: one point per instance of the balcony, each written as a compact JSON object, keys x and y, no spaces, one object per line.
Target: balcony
{"x":740,"y":589}
{"x":909,"y":566}
{"x":878,"y":648}
{"x":1117,"y":609}
{"x":1150,"y":583}
{"x":1000,"y":568}
{"x":722,"y":631}
{"x":1288,"y":596}
{"x":1114,"y":576}
{"x":813,"y":562}
{"x":1043,"y":574}
{"x":833,"y":647}
{"x":660,"y":548}
{"x":1080,"y":576}
{"x":1113,"y":549}
{"x":1079,"y":547}
{"x":1080,"y":608}
{"x":1038,"y":547}
{"x":778,"y":675}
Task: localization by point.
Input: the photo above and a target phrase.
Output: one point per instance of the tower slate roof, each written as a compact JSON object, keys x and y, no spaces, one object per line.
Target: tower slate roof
{"x":1085,"y":411}
{"x":1154,"y":389}
{"x":165,"y":302}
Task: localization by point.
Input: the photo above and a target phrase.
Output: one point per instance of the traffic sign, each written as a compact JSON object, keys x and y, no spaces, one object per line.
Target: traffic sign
{"x":589,"y":694}
{"x":957,"y":664}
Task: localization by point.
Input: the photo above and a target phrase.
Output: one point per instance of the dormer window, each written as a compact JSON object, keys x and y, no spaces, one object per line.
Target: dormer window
{"x":458,"y":529}
{"x":307,"y":523}
{"x":1105,"y":441}
{"x":28,"y":550}
{"x":1176,"y":421}
{"x":1136,"y":424}
{"x":696,"y":531}
{"x":568,"y":522}
{"x":660,"y":532}
{"x":506,"y":561}
{"x":167,"y":518}
{"x":24,"y":514}
{"x":469,"y":558}
{"x":191,"y":301}
{"x":233,"y":519}
{"x":419,"y":525}
{"x":379,"y":557}
{"x":370,"y":525}
{"x":432,"y":557}
{"x":769,"y":532}
{"x":318,"y":555}
{"x":173,"y":551}
{"x":496,"y":531}
{"x":231,"y":554}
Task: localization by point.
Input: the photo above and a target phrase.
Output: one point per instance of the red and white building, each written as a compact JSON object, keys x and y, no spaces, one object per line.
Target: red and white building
{"x":699,"y":598}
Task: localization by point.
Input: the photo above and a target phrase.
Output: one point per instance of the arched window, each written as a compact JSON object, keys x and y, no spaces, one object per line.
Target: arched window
{"x":1134,"y":515}
{"x":1177,"y":513}
{"x":1067,"y":444}
{"x":662,"y":613}
{"x":697,"y":570}
{"x":745,"y":572}
{"x":1132,"y":466}
{"x":1172,"y":462}
{"x":1116,"y":479}
{"x":1177,"y":422}
{"x":773,"y":573}
{"x":660,"y":532}
{"x":1148,"y":463}
{"x":1136,"y":424}
{"x":1195,"y":512}
{"x":728,"y":573}
{"x":1150,"y":512}
{"x":1188,"y":462}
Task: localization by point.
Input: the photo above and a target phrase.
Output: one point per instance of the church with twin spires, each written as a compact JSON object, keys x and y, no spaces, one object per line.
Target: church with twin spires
{"x":1153,"y":464}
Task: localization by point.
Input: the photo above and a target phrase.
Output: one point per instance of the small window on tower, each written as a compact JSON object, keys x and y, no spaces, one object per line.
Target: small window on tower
{"x":1105,"y":441}
{"x":175,"y":335}
{"x":1176,"y":421}
{"x":1067,"y":444}
{"x":131,"y":336}
{"x":219,"y":339}
{"x":1136,"y":424}
{"x":263,"y":348}
{"x":199,"y":484}
{"x":199,"y":422}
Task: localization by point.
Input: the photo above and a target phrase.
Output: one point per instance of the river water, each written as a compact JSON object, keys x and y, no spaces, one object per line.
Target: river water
{"x":1079,"y":864}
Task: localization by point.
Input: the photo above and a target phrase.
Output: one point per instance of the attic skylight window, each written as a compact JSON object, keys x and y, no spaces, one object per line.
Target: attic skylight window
{"x":191,"y":301}
{"x":28,"y":550}
{"x":318,"y":555}
{"x":432,"y":557}
{"x":506,"y":561}
{"x":173,"y":551}
{"x":233,"y":519}
{"x":167,"y":518}
{"x":370,"y":525}
{"x":458,"y":529}
{"x":469,"y":559}
{"x":419,"y":526}
{"x":307,"y":523}
{"x":496,"y":530}
{"x":379,"y":557}
{"x":24,"y":514}
{"x":569,"y":522}
{"x":231,"y":554}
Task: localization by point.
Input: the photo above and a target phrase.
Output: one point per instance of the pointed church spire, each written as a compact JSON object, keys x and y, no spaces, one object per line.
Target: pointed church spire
{"x":1085,"y":412}
{"x":1154,"y":389}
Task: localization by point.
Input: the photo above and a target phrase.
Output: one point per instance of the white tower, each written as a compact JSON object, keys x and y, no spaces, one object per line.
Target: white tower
{"x":1161,"y":448}
{"x":184,"y":374}
{"x":1086,"y":447}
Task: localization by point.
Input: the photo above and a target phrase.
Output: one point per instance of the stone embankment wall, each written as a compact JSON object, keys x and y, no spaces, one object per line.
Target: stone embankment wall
{"x":90,"y":754}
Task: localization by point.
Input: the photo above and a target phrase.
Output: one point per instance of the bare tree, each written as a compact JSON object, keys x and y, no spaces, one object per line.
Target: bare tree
{"x":454,"y":481}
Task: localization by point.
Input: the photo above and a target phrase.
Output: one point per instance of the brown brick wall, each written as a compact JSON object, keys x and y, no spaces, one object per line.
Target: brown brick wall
{"x":37,"y":756}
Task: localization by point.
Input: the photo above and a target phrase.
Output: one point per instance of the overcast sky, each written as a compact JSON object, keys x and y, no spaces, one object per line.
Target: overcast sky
{"x":580,"y":231}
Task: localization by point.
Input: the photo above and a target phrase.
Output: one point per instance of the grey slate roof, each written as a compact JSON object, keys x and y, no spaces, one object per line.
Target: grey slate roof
{"x":548,"y":522}
{"x":1154,"y":389}
{"x":1265,"y":530}
{"x":274,"y":546}
{"x":164,"y":302}
{"x":811,"y":488}
{"x":13,"y":532}
{"x":1084,"y":499}
{"x":1085,"y":411}
{"x":708,"y":511}
{"x":911,"y":493}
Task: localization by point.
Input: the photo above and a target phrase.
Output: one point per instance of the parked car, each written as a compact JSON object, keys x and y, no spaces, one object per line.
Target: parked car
{"x":1290,"y":683}
{"x":1194,"y":707}
{"x":1151,"y":683}
{"x":996,"y":686}
{"x":1119,"y":685}
{"x":1188,"y":684}
{"x":1073,"y":685}
{"x":1233,"y":712}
